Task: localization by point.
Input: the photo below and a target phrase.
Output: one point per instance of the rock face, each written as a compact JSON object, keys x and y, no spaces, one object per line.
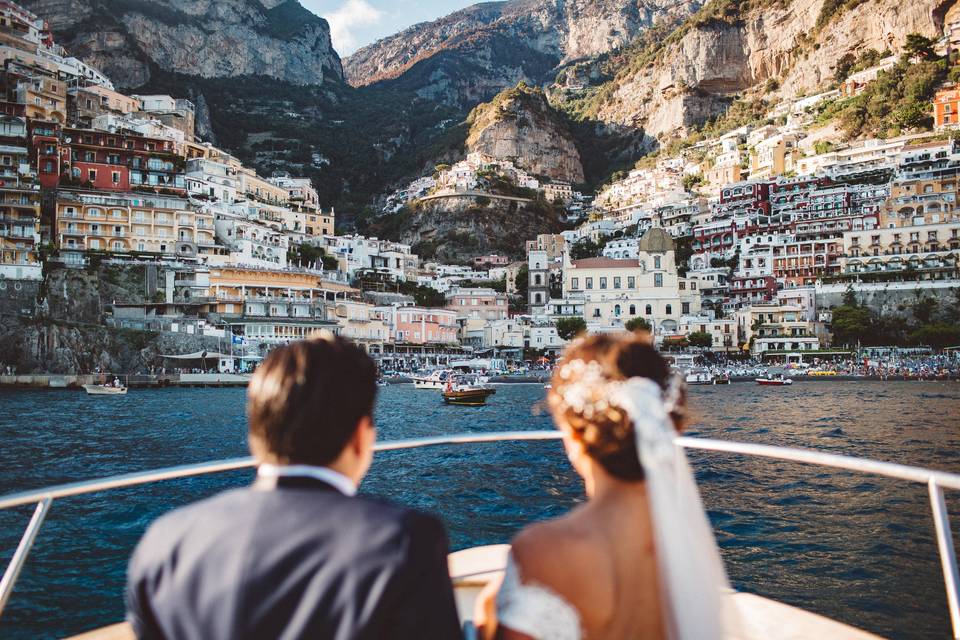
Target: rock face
{"x":519,"y":125}
{"x":459,"y":227}
{"x":207,"y":38}
{"x":707,"y":61}
{"x":57,"y":326}
{"x":471,"y":54}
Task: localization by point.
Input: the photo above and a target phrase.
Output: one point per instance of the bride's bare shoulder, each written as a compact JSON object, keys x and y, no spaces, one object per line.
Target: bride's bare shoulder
{"x":559,"y":553}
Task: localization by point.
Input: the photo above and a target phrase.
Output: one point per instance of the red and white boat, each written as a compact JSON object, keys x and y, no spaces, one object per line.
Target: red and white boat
{"x":774,"y":382}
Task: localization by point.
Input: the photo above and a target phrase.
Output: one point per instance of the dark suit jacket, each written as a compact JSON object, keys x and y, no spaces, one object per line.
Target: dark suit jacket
{"x":300,"y":560}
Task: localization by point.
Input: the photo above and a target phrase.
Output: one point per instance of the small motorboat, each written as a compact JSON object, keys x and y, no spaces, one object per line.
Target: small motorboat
{"x":467,"y":392}
{"x":105,"y":390}
{"x":774,"y":382}
{"x":721,"y":379}
{"x":699,"y":377}
{"x":472,"y":397}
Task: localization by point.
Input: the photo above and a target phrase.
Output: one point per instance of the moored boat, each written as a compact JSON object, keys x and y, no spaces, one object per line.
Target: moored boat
{"x":774,"y":382}
{"x":436,"y":380}
{"x":105,"y":389}
{"x":699,"y":377}
{"x":470,"y":397}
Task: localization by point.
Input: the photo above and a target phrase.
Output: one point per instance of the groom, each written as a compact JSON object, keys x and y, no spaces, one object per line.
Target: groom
{"x":297,"y":554}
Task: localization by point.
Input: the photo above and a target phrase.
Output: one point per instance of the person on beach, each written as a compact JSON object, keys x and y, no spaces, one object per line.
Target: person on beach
{"x":298,"y":554}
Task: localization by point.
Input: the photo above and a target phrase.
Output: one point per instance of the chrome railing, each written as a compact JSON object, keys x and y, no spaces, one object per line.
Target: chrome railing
{"x":936,"y":482}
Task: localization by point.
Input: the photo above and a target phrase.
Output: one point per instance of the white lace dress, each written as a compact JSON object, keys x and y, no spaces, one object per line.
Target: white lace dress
{"x":534,"y":610}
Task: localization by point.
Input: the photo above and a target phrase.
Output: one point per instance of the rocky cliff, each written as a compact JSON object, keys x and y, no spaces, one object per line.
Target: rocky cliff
{"x":456,"y":228}
{"x":126,"y":39}
{"x":520,"y":125}
{"x":468,"y":56}
{"x":727,"y":49}
{"x":57,"y":325}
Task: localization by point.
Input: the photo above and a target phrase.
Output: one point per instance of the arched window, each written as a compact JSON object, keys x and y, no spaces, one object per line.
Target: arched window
{"x":669,"y":310}
{"x":537,"y":280}
{"x":649,"y":310}
{"x":616,"y":310}
{"x":633,"y":310}
{"x":537,"y":299}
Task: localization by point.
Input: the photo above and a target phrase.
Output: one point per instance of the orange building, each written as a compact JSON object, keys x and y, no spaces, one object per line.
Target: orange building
{"x":946,"y":108}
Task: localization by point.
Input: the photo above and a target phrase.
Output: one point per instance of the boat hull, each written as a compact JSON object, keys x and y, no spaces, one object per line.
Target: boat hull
{"x":773,"y":383}
{"x":468,"y":397}
{"x":102,"y":390}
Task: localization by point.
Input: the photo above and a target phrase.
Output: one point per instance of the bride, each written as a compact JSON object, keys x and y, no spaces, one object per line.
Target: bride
{"x":638,"y":559}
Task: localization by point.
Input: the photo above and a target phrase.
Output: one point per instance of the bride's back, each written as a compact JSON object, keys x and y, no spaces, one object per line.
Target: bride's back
{"x":600,"y":558}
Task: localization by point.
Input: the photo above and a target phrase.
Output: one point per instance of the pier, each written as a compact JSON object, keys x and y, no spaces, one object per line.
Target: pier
{"x":134,"y":381}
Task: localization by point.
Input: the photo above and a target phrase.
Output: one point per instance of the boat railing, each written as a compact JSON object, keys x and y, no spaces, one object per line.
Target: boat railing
{"x":936,"y":482}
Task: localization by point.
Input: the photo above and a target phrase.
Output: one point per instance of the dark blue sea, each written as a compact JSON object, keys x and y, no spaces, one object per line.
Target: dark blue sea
{"x":856,"y":548}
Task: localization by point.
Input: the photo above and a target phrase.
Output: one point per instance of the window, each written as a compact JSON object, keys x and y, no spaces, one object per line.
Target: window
{"x":616,"y":283}
{"x":685,"y":307}
{"x":92,"y":175}
{"x":658,"y":279}
{"x":683,"y":286}
{"x":616,"y":310}
{"x":631,"y":282}
{"x":648,"y":310}
{"x":633,"y":310}
{"x":656,"y":262}
{"x":589,"y":283}
{"x":575,"y":283}
{"x":669,"y":310}
{"x":603,"y":283}
{"x":115,"y":177}
{"x":537,"y":280}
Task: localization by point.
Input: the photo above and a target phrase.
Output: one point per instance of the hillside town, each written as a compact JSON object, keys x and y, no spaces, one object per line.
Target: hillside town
{"x":744,"y":244}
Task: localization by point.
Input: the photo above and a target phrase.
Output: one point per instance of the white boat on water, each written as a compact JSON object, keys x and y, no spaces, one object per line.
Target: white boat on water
{"x":105,"y":390}
{"x":471,"y":569}
{"x":436,"y":380}
{"x":699,"y":377}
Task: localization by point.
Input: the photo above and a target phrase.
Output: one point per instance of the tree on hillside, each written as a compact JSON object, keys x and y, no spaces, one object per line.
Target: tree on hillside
{"x":938,"y":336}
{"x":849,"y":297}
{"x":924,"y":308}
{"x":637,"y":324}
{"x":700,"y":339}
{"x":918,"y":45}
{"x":522,"y":281}
{"x":851,"y":325}
{"x":585,"y":248}
{"x":569,"y":328}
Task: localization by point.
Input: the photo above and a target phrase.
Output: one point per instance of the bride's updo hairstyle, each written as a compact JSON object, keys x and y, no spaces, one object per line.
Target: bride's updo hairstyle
{"x":579,"y":396}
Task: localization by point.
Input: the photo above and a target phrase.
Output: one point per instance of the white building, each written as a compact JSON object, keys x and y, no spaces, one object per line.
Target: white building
{"x":615,"y":291}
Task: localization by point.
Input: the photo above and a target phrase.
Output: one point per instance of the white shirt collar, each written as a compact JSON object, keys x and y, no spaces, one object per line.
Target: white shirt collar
{"x":340,"y":482}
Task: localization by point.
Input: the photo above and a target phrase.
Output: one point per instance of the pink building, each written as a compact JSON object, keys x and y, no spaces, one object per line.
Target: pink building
{"x":491,"y":260}
{"x":479,"y":303}
{"x":420,"y":325}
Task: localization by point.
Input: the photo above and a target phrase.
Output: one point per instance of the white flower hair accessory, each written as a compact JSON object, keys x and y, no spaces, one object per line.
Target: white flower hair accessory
{"x":584,"y":388}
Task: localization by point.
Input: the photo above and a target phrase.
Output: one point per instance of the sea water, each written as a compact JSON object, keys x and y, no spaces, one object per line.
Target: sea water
{"x":856,"y":548}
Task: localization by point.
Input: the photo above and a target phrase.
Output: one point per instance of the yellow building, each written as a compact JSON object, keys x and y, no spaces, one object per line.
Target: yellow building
{"x":19,"y":230}
{"x":776,"y":328}
{"x":362,"y":323}
{"x":131,"y":224}
{"x":914,"y":251}
{"x":231,"y":286}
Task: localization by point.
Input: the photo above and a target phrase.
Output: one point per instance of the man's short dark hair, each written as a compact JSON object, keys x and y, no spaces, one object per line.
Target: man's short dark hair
{"x":306,"y":399}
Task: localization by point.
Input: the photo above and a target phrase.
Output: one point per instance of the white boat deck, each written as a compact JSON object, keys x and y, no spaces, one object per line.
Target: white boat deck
{"x":762,"y":619}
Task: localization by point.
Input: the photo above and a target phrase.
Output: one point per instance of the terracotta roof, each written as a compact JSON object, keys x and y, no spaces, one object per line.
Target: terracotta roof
{"x":604,"y":263}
